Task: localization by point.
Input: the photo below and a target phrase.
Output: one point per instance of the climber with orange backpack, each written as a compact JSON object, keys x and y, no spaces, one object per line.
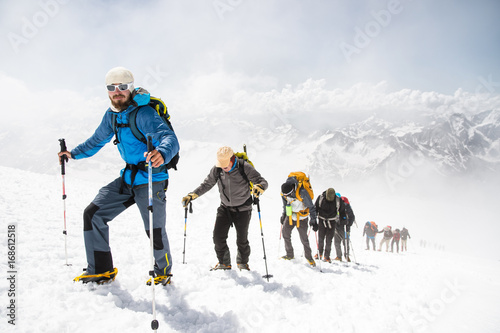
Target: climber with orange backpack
{"x":298,"y":211}
{"x":371,"y":231}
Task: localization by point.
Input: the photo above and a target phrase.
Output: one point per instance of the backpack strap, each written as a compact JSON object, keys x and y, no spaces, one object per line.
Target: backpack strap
{"x":132,"y":118}
{"x":217,"y":179}
{"x":115,"y":128}
{"x":241,"y":168}
{"x":132,"y":121}
{"x":172,"y":164}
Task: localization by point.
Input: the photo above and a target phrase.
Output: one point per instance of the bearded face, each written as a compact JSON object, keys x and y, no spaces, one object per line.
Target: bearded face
{"x":120,"y":99}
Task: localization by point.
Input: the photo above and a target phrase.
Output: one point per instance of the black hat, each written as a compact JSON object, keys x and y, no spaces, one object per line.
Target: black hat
{"x":287,"y":188}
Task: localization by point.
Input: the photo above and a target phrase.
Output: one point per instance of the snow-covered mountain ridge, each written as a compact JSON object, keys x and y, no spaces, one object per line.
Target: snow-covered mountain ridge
{"x":453,"y":144}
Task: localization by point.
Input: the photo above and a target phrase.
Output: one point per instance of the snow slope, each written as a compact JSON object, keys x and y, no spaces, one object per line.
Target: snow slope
{"x":423,"y":290}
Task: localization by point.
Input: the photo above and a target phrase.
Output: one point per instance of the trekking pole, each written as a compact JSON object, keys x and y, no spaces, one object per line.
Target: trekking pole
{"x":256,"y":201}
{"x":154,"y":322}
{"x":345,"y":247}
{"x":279,"y":242}
{"x":185,"y":223}
{"x":63,"y":160}
{"x":317,"y":248}
{"x":354,"y":256}
{"x":348,"y":247}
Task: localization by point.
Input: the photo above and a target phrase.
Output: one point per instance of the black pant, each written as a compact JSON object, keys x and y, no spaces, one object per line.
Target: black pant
{"x":340,"y":239}
{"x":241,"y":220}
{"x":397,"y":244}
{"x":325,"y":234}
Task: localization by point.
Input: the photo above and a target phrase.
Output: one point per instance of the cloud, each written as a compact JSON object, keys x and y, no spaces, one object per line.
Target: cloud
{"x":422,"y":45}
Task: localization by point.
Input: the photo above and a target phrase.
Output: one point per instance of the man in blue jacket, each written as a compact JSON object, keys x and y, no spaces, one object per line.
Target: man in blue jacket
{"x":132,"y":185}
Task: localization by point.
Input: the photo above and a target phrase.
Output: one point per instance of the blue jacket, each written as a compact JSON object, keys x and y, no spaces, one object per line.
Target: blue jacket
{"x":131,"y":149}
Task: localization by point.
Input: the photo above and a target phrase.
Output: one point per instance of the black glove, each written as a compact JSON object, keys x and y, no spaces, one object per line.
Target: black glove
{"x":314,"y":225}
{"x":283,"y":218}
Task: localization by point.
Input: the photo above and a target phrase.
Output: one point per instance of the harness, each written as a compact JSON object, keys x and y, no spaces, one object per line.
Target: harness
{"x":327,"y":221}
{"x":299,"y":214}
{"x":134,"y":168}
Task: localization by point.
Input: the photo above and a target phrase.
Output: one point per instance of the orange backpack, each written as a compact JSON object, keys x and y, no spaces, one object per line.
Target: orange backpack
{"x":303,"y":181}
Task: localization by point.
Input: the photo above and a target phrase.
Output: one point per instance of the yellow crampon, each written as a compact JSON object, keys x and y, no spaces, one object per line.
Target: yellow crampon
{"x":108,"y":276}
{"x":161,"y":279}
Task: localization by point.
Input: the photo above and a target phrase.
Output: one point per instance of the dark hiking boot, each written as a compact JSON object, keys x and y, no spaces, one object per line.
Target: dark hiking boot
{"x":316,"y":256}
{"x":287,"y":258}
{"x":311,"y":262}
{"x":100,"y":278}
{"x":338,"y":259}
{"x":161,"y":279}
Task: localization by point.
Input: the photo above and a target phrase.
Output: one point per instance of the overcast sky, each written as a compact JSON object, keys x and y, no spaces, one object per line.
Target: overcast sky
{"x":259,"y":45}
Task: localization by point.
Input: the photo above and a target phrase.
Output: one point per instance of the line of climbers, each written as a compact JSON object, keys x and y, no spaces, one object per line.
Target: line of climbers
{"x":371,"y":231}
{"x":134,"y":114}
{"x":331,"y":215}
{"x":238,"y":180}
